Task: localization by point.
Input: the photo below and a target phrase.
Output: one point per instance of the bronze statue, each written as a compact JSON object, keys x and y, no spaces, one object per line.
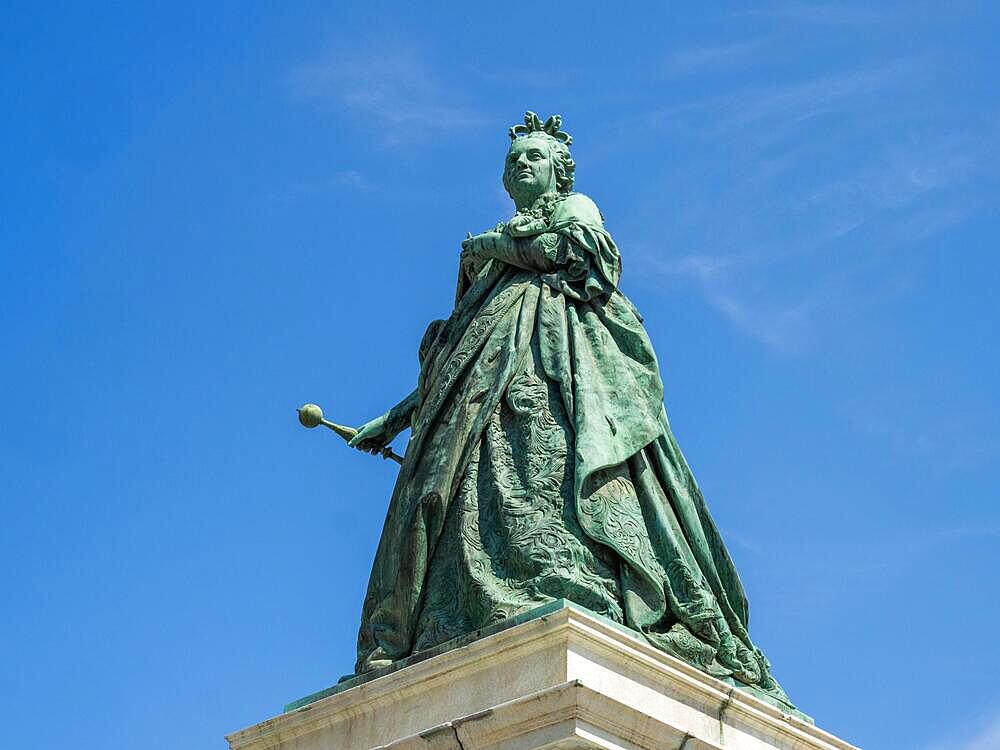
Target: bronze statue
{"x":541,"y":464}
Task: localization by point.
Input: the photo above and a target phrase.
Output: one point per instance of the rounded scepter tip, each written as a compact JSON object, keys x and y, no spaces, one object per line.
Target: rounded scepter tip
{"x":310,"y":415}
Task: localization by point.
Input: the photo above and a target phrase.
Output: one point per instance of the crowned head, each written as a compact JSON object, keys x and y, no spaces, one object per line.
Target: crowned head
{"x":538,"y":161}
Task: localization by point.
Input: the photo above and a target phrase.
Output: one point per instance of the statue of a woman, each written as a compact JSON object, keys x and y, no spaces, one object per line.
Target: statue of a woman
{"x":541,"y":464}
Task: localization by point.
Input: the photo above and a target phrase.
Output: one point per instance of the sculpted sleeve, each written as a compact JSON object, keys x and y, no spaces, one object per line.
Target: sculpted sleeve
{"x":590,"y":264}
{"x":430,"y":336}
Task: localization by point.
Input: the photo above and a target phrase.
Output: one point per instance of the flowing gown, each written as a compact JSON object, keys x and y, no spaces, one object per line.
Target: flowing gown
{"x":542,"y":466}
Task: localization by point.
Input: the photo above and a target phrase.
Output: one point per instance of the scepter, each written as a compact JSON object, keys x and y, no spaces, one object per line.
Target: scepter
{"x":310,"y":415}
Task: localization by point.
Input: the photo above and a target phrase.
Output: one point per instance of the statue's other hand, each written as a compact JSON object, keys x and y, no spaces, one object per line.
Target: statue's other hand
{"x":372,"y":437}
{"x":484,"y":245}
{"x":474,"y":254}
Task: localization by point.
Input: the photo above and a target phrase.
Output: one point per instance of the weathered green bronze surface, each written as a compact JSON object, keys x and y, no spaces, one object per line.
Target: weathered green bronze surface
{"x":541,"y":465}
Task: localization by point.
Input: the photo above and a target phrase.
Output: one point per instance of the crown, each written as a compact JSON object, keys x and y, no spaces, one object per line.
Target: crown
{"x":534,"y":125}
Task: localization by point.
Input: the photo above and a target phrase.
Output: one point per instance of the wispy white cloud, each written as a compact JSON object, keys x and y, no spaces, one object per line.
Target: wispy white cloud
{"x":711,"y":57}
{"x":906,"y":194}
{"x":847,"y":14}
{"x":704,"y":268}
{"x":341,"y":182}
{"x":353,"y":180}
{"x":902,"y":175}
{"x":550,"y":77}
{"x":790,"y":101}
{"x":751,"y":545}
{"x":836,"y":567}
{"x":782,"y":326}
{"x":987,"y":738}
{"x":395,"y":91}
{"x":779,"y":245}
{"x":927,"y":426}
{"x":889,"y":553}
{"x":793,"y":103}
{"x":840,"y":14}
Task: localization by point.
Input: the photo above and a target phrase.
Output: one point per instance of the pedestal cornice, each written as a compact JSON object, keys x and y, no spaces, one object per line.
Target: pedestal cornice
{"x":566,"y":679}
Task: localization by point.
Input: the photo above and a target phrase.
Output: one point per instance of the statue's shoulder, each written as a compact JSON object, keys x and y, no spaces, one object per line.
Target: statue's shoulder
{"x":580,"y":208}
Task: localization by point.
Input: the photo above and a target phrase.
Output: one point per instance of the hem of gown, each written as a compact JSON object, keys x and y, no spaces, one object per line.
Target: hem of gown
{"x":353,"y":680}
{"x":759,"y":694}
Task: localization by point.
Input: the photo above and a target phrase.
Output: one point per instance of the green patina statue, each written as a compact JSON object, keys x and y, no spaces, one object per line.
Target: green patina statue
{"x":541,"y":465}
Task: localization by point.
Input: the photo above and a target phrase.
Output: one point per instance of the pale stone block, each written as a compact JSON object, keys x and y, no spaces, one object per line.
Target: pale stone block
{"x":567,"y":679}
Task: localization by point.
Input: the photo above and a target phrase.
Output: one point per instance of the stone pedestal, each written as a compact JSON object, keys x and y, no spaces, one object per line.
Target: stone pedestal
{"x":565,"y":679}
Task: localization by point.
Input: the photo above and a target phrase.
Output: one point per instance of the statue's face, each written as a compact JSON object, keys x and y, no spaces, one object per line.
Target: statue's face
{"x":529,"y":172}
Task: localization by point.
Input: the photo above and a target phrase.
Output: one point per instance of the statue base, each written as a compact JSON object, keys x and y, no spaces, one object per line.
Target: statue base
{"x":560,"y":677}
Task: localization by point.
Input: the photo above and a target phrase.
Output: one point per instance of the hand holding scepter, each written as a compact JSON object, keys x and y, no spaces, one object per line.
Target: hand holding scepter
{"x":310,"y":415}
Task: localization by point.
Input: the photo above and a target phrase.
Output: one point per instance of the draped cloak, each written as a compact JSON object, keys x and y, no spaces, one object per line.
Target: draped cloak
{"x":541,"y":465}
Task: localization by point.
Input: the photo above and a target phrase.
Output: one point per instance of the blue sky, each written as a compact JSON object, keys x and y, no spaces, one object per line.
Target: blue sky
{"x":212,"y":215}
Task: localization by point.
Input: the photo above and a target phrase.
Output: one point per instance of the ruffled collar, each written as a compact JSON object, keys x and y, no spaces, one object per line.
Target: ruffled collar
{"x":543,"y":207}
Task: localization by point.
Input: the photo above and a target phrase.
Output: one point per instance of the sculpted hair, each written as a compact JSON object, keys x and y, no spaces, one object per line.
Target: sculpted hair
{"x":562,"y":163}
{"x":558,"y":141}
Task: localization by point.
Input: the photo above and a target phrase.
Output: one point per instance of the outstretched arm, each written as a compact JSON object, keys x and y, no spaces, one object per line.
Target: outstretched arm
{"x":381,"y":431}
